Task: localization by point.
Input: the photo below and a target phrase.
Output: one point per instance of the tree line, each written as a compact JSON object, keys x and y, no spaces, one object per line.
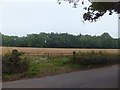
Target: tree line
{"x":62,"y":40}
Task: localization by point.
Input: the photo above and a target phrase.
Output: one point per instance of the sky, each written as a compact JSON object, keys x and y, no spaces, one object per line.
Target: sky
{"x":22,"y":17}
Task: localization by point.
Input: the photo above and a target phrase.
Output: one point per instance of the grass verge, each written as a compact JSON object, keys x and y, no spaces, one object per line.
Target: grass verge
{"x":43,"y":66}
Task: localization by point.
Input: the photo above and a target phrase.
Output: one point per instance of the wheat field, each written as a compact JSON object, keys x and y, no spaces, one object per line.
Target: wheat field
{"x":53,"y":51}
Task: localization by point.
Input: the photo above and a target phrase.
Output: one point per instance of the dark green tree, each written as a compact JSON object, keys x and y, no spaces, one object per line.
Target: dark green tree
{"x":62,"y":40}
{"x":96,"y":9}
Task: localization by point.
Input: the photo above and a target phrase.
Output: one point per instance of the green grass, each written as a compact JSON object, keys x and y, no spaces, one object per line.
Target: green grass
{"x":39,"y":68}
{"x":43,"y":66}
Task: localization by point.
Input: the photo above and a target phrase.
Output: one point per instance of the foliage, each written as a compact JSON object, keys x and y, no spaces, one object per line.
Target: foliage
{"x":13,"y":62}
{"x":57,"y":65}
{"x":62,"y":40}
{"x":96,"y":9}
{"x":95,"y":58}
{"x":40,"y":67}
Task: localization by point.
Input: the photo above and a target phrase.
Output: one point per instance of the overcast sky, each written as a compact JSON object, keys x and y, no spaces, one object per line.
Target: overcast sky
{"x":22,"y":17}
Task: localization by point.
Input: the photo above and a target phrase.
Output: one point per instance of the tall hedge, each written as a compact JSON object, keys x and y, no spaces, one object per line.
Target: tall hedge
{"x":14,"y":62}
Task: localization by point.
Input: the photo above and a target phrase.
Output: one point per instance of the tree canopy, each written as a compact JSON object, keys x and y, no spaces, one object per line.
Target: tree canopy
{"x":96,"y":9}
{"x":62,"y":40}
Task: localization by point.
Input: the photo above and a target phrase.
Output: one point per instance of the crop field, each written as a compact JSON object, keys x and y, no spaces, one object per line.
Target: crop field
{"x":52,"y":51}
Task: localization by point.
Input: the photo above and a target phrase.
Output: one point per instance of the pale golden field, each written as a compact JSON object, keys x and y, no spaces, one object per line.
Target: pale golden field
{"x":51,"y":51}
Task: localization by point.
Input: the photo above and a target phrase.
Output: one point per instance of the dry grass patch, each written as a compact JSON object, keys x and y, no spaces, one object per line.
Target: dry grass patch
{"x":52,"y":51}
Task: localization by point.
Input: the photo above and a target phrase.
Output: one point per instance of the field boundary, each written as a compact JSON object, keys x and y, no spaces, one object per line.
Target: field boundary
{"x":52,"y":51}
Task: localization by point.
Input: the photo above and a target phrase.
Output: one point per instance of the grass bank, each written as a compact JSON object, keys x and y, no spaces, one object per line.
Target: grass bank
{"x":39,"y":67}
{"x":44,"y":66}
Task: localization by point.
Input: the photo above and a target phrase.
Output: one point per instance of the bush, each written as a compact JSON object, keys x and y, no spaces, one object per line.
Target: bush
{"x":14,"y":62}
{"x":95,"y":58}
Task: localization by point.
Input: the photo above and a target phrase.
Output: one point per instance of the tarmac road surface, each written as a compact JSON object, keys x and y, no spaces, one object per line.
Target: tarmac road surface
{"x":105,"y":77}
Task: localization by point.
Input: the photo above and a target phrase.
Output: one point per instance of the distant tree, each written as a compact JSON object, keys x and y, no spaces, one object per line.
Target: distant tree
{"x":62,"y":40}
{"x":107,"y":41}
{"x":0,"y":39}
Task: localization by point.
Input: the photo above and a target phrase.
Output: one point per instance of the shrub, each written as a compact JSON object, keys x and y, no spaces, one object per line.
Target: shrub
{"x":95,"y":58}
{"x":14,"y":62}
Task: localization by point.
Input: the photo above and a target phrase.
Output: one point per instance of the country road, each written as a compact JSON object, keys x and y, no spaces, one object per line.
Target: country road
{"x":106,"y":77}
